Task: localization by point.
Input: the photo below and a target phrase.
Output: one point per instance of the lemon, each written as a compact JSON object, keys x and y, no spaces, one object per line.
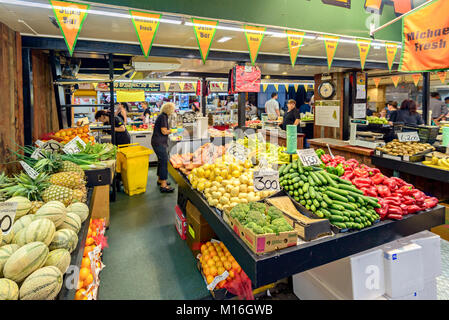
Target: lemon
{"x":219,"y":179}
{"x":200,"y":186}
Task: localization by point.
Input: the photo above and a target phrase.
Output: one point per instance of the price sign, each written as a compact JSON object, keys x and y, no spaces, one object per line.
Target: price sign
{"x":408,"y":136}
{"x":266,"y":180}
{"x":72,"y":146}
{"x":30,"y":171}
{"x":39,"y":143}
{"x":308,"y":157}
{"x":217,"y":280}
{"x":7,"y":215}
{"x":37,"y":154}
{"x":51,"y":145}
{"x":238,"y":151}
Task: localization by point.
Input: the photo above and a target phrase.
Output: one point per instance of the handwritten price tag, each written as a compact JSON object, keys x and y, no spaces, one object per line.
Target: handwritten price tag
{"x":408,"y":136}
{"x":72,"y":146}
{"x":7,"y":215}
{"x":37,"y":154}
{"x":266,"y":180}
{"x":308,"y":157}
{"x":29,"y":171}
{"x":238,"y":151}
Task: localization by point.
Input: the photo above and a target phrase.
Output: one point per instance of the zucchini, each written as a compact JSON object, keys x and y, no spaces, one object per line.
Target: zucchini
{"x":320,"y":176}
{"x":343,"y":193}
{"x":334,"y":218}
{"x":335,"y":196}
{"x":341,"y":225}
{"x":349,"y":188}
{"x":315,"y":178}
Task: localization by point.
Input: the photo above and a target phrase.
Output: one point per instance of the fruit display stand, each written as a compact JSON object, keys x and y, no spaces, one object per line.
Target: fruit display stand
{"x":344,"y":149}
{"x":268,"y":268}
{"x":280,"y":138}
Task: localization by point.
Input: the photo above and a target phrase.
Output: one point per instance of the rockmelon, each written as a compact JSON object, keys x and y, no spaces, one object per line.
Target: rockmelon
{"x":41,"y":230}
{"x":5,"y":253}
{"x":60,"y":258}
{"x":72,"y":221}
{"x":7,"y":239}
{"x":81,"y":209}
{"x":56,"y":203}
{"x":9,"y":290}
{"x":25,"y":261}
{"x":22,"y":223}
{"x":23,"y":205}
{"x":64,"y":239}
{"x":53,"y":212}
{"x":19,"y":238}
{"x":42,"y":284}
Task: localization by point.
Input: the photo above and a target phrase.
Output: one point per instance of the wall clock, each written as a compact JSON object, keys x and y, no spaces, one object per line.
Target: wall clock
{"x":326,"y":90}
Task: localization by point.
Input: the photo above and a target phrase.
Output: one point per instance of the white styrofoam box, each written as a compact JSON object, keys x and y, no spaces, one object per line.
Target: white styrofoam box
{"x":431,"y":252}
{"x":403,"y":269}
{"x":357,"y":277}
{"x":200,"y":130}
{"x":307,"y":287}
{"x":428,"y":293}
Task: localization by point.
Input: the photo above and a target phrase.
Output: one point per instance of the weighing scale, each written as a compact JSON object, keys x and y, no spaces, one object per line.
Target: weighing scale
{"x":353,"y":139}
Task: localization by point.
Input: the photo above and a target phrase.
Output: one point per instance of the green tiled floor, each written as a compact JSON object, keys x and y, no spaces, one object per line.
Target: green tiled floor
{"x":146,"y":258}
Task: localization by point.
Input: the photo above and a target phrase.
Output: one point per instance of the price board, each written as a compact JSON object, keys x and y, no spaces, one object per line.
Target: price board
{"x":29,"y":171}
{"x":37,"y":154}
{"x":7,"y":216}
{"x":238,"y":151}
{"x":72,"y":146}
{"x":408,"y":136}
{"x":308,"y":157}
{"x":51,"y":145}
{"x":266,"y":180}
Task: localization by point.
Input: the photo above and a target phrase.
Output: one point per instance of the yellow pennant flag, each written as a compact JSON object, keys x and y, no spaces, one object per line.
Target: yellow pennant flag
{"x":364,"y":46}
{"x":276,"y":86}
{"x":221,"y":85}
{"x":331,"y":44}
{"x":286,"y":87}
{"x":166,"y":85}
{"x":442,"y":76}
{"x":254,"y":36}
{"x":264,"y":86}
{"x":306,"y":87}
{"x":296,"y":87}
{"x":391,"y":50}
{"x":181,"y":86}
{"x":294,"y":40}
{"x":146,"y":25}
{"x":205,"y":33}
{"x":95,"y":85}
{"x":376,"y":82}
{"x":194,"y":86}
{"x":416,"y":77}
{"x":70,"y":17}
{"x":395,"y":80}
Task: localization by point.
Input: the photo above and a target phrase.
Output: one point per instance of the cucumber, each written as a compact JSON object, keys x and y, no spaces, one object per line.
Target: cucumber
{"x":334,"y":218}
{"x":326,"y":213}
{"x":319,"y":197}
{"x":295,"y":193}
{"x":309,"y":202}
{"x":349,"y":188}
{"x":300,"y":191}
{"x":343,"y":193}
{"x":301,"y":183}
{"x":305,"y":187}
{"x":313,"y":208}
{"x":311,"y":181}
{"x":327,"y":199}
{"x":329,"y":179}
{"x":335,"y":212}
{"x":315,"y":178}
{"x":296,"y":185}
{"x":351,"y":199}
{"x":306,"y":195}
{"x":300,"y":168}
{"x":281,"y":169}
{"x":352,"y":213}
{"x":296,"y":179}
{"x":320,"y":176}
{"x":304,"y":178}
{"x":324,"y":204}
{"x":337,"y":207}
{"x":303,"y":202}
{"x":341,"y":225}
{"x":294,"y":175}
{"x":345,"y":205}
{"x":349,"y":224}
{"x":340,"y":180}
{"x":307,"y":207}
{"x":372,"y":201}
{"x":294,"y":165}
{"x":319,"y":214}
{"x":358,"y":220}
{"x":335,"y":196}
{"x":316,"y":203}
{"x":291,"y":170}
{"x":346,"y":218}
{"x":296,"y":199}
{"x":312,"y":192}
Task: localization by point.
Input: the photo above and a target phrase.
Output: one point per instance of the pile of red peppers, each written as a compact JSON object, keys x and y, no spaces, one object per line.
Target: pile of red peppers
{"x":396,"y":197}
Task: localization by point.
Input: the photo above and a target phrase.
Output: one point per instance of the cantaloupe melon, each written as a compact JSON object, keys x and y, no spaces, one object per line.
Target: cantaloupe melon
{"x":25,"y":261}
{"x":19,"y":238}
{"x":81,"y":209}
{"x":5,"y":252}
{"x":41,"y":230}
{"x":42,"y":284}
{"x":22,"y":223}
{"x":56,"y":203}
{"x":64,"y":239}
{"x":60,"y":258}
{"x":53,"y":212}
{"x":7,"y":239}
{"x":23,"y":206}
{"x":72,"y":221}
{"x":9,"y":290}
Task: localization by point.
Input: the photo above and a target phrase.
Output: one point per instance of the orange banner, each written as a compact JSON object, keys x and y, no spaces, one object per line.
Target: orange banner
{"x":395,"y":80}
{"x":416,"y":77}
{"x":376,"y":81}
{"x":331,"y":44}
{"x":294,"y":40}
{"x":146,"y":25}
{"x":391,"y":50}
{"x":364,"y":46}
{"x":254,"y":37}
{"x":205,"y":33}
{"x":425,"y":37}
{"x":442,"y":76}
{"x":70,"y":17}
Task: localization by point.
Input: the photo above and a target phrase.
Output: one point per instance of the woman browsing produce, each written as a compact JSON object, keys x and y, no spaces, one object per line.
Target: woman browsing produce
{"x":121,"y":134}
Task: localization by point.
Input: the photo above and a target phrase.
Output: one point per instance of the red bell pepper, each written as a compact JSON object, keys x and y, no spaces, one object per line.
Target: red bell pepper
{"x":349,"y":175}
{"x":378,"y":178}
{"x":408,"y":200}
{"x":430,"y":202}
{"x":390,"y":183}
{"x":394,"y":216}
{"x":413,"y":208}
{"x":418,"y":195}
{"x":370,"y":191}
{"x":393,"y":202}
{"x":394,"y":210}
{"x":362,"y":173}
{"x":383,"y":191}
{"x":362,"y":182}
{"x":404,"y":208}
{"x":382,"y":211}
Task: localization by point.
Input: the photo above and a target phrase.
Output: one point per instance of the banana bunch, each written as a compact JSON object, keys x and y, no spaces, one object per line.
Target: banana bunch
{"x":438,"y":163}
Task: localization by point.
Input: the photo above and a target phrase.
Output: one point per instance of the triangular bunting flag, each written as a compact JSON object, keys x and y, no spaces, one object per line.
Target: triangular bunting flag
{"x":391,"y":50}
{"x":95,"y":85}
{"x":296,"y":87}
{"x":442,"y":76}
{"x":416,"y":77}
{"x":166,"y":85}
{"x":181,"y":86}
{"x":276,"y":86}
{"x":286,"y":87}
{"x":194,"y":86}
{"x":264,"y":86}
{"x":70,"y":17}
{"x":376,"y":82}
{"x":294,"y":40}
{"x":254,"y":36}
{"x":331,"y":44}
{"x":205,"y":33}
{"x":306,"y":87}
{"x":146,"y":25}
{"x":364,"y":46}
{"x":395,"y":80}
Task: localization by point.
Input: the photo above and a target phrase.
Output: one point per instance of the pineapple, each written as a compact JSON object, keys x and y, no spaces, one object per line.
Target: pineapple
{"x":35,"y":205}
{"x":58,"y":193}
{"x":23,"y":185}
{"x":5,"y":182}
{"x":70,"y":166}
{"x":69,"y":179}
{"x":79,"y":195}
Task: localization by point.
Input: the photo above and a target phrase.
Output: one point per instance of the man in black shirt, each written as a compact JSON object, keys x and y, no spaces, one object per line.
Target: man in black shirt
{"x":146,"y":110}
{"x":292,"y":116}
{"x":121,"y":134}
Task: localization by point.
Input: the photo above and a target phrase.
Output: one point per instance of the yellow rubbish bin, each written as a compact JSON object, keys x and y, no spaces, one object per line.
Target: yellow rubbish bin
{"x":132,"y":163}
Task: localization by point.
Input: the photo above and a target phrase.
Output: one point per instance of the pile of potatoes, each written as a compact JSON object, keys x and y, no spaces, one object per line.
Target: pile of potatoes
{"x":397,"y":148}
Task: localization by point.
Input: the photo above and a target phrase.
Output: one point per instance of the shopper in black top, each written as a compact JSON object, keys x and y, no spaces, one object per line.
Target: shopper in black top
{"x":121,"y":134}
{"x":159,"y":142}
{"x":121,"y":111}
{"x":292,"y":116}
{"x":408,"y":114}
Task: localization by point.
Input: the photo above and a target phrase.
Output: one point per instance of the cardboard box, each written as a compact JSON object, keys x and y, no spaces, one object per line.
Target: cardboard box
{"x":198,"y":230}
{"x":180,"y":223}
{"x":193,"y":212}
{"x":403,"y":269}
{"x":442,"y":231}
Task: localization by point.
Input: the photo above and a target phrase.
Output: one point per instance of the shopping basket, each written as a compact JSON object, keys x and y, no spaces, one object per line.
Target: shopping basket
{"x":132,"y":163}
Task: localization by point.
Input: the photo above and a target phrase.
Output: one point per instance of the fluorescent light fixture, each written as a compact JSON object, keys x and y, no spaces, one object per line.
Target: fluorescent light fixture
{"x":224,"y":39}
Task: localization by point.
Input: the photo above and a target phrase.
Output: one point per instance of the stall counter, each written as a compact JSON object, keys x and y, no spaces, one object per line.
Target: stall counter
{"x":343,"y":148}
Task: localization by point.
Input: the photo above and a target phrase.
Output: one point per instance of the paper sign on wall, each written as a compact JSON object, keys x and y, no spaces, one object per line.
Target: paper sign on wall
{"x":205,"y":33}
{"x":294,"y":40}
{"x":359,"y":111}
{"x":146,"y":25}
{"x":70,"y":17}
{"x":331,"y":44}
{"x":364,"y":46}
{"x":391,"y":50}
{"x":254,"y":36}
{"x":7,"y":216}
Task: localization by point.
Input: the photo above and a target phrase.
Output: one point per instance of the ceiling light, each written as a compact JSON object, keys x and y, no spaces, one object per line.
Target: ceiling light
{"x":224,"y":39}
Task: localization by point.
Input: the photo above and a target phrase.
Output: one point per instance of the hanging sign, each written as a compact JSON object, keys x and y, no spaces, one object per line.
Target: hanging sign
{"x":331,"y":44}
{"x":391,"y":49}
{"x":376,"y":82}
{"x":296,"y":87}
{"x":416,"y":77}
{"x":425,"y":38}
{"x":205,"y":33}
{"x":294,"y":40}
{"x":70,"y":17}
{"x":395,"y":80}
{"x":146,"y":25}
{"x":264,"y":86}
{"x":442,"y":74}
{"x":130,"y":95}
{"x":254,"y":36}
{"x":221,"y":86}
{"x":364,"y":46}
{"x":7,"y":216}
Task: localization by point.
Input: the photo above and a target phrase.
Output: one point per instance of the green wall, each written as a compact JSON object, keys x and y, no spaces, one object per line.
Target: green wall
{"x":313,"y":15}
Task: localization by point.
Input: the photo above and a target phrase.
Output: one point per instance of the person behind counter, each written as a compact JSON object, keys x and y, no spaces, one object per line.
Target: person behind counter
{"x":306,"y":106}
{"x":438,"y":108}
{"x":407,"y":114}
{"x":159,"y":142}
{"x":121,"y":134}
{"x":121,"y":111}
{"x":146,"y":111}
{"x":272,"y":107}
{"x":195,"y":106}
{"x":292,"y":116}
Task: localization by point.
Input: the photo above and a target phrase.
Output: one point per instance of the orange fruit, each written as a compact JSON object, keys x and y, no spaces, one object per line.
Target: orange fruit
{"x":87,"y":249}
{"x":218,"y":264}
{"x":89,"y":279}
{"x":84,"y":272}
{"x":79,"y":295}
{"x":205,"y":252}
{"x":223,"y":259}
{"x":209,"y":279}
{"x":85,"y":298}
{"x":206,"y":271}
{"x":227,"y":265}
{"x":206,"y":257}
{"x":231,"y":274}
{"x":216,"y":259}
{"x":89,"y":233}
{"x":85,"y":263}
{"x":220,"y":270}
{"x":213,"y":271}
{"x":236,"y":266}
{"x":203,"y":247}
{"x":222,"y":283}
{"x":213,"y":253}
{"x":89,"y":241}
{"x":208,"y":244}
{"x":80,"y":284}
{"x":211,"y":263}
